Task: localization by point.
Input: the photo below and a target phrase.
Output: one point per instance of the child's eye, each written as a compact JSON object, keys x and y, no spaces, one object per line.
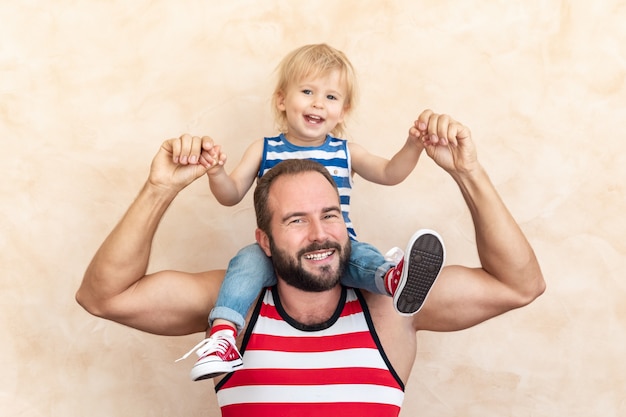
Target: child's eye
{"x":307,"y":92}
{"x":331,"y":97}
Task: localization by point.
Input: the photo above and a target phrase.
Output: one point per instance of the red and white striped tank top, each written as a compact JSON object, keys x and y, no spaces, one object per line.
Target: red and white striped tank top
{"x":338,"y":368}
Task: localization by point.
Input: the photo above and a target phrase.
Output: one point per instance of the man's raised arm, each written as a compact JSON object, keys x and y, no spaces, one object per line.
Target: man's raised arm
{"x":115,"y":285}
{"x":509,"y":276}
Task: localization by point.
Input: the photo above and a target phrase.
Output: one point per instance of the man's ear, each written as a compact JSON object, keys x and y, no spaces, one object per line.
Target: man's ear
{"x":263,"y":240}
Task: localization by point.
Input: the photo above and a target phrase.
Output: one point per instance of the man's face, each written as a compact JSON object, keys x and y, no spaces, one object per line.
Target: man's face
{"x":309,"y":243}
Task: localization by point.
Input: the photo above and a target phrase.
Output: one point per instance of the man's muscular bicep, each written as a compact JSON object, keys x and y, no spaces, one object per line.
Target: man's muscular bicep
{"x":463,"y":297}
{"x":168,"y":303}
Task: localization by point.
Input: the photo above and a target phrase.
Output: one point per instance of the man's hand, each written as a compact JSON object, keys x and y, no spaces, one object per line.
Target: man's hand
{"x":448,"y":142}
{"x":182,"y":160}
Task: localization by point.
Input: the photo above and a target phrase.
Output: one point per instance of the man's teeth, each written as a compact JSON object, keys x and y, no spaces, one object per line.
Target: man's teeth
{"x":319,"y":256}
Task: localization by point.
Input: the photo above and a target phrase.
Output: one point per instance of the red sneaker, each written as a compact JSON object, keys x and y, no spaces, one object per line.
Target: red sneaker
{"x":218,"y":355}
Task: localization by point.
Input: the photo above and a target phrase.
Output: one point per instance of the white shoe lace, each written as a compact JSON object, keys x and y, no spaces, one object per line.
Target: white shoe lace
{"x":394,"y":255}
{"x":214,"y":343}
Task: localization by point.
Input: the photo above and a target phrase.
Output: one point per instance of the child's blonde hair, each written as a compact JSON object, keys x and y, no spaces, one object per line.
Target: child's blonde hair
{"x":313,"y":61}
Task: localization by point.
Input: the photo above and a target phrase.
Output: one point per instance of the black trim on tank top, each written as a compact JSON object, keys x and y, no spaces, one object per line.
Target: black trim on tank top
{"x":310,"y":327}
{"x":370,"y":325}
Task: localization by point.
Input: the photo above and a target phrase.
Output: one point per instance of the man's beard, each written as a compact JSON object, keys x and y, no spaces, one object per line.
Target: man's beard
{"x":291,"y":271}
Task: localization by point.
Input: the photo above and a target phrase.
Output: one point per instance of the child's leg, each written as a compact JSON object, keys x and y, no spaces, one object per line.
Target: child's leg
{"x":248,"y":273}
{"x":409,"y":282}
{"x":366,"y":269}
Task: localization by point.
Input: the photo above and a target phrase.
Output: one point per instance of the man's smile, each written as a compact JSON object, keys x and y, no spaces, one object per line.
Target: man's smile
{"x":319,"y":256}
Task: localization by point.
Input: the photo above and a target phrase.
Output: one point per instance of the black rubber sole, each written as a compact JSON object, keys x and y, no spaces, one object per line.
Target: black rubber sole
{"x":422,"y":264}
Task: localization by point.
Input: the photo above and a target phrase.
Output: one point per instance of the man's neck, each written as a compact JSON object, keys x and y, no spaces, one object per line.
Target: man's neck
{"x":308,"y":308}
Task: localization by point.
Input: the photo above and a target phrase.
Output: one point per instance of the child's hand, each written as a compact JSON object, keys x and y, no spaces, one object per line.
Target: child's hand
{"x":212,"y":156}
{"x":415,"y":136}
{"x":194,"y":150}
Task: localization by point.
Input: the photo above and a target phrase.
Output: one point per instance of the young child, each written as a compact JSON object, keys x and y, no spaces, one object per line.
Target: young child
{"x":315,"y":92}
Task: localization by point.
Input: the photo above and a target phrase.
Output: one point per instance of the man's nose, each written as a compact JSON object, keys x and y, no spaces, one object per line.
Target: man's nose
{"x":317,"y":231}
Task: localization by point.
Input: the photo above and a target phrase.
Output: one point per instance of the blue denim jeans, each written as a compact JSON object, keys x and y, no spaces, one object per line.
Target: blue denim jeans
{"x":251,"y":270}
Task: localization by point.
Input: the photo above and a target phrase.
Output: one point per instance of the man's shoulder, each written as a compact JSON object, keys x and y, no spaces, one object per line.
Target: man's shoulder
{"x":390,"y":328}
{"x":383,"y":313}
{"x":377,"y":303}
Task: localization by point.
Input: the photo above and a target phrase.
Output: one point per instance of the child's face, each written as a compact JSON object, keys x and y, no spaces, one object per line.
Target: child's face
{"x":314,"y":107}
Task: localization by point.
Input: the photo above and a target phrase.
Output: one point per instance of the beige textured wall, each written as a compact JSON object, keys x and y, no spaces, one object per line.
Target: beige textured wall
{"x":88,"y":90}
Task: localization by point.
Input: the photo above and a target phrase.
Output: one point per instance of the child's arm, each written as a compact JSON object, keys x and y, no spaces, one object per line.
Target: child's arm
{"x":384,"y":171}
{"x":230,"y":189}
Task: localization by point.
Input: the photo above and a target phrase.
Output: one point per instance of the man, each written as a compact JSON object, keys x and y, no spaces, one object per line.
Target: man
{"x":340,"y":351}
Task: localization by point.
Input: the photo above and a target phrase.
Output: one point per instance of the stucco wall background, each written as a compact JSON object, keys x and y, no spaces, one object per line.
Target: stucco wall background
{"x":89,"y":90}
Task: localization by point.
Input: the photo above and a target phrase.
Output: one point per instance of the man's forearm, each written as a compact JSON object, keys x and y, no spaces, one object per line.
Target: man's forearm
{"x":123,"y":257}
{"x":502,"y":247}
